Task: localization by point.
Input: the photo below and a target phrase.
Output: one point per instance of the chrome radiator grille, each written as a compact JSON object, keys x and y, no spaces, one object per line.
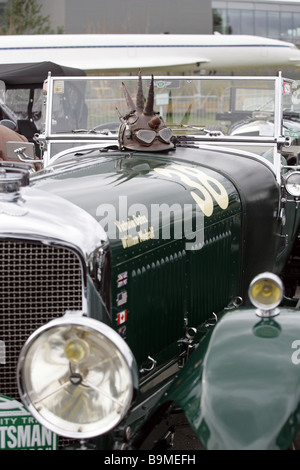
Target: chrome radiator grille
{"x":37,"y":283}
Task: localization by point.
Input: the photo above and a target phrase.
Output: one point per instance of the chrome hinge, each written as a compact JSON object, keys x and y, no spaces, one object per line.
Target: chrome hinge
{"x":153,"y":363}
{"x":188,"y":345}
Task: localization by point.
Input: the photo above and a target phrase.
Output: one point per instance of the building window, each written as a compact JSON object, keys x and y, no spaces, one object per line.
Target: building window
{"x":286,"y":25}
{"x":254,"y":17}
{"x":296,"y":28}
{"x":233,"y":21}
{"x":247,"y":22}
{"x":260,"y":22}
{"x":219,"y":20}
{"x":273,"y":25}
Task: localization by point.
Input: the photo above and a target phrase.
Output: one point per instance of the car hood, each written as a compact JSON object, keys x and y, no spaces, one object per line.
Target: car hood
{"x":240,"y":389}
{"x":115,"y":188}
{"x":97,"y":181}
{"x":249,"y":372}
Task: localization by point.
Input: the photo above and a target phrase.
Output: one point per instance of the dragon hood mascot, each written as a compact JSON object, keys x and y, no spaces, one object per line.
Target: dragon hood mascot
{"x":142,"y":128}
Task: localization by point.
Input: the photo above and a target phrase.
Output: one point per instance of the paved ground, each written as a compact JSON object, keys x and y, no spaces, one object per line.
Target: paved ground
{"x":185,"y":438}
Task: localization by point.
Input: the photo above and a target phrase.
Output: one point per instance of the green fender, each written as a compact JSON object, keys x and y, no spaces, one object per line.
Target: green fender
{"x":240,"y":389}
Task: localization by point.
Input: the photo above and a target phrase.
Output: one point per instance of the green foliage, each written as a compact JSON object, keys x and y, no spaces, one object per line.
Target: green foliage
{"x":25,"y":17}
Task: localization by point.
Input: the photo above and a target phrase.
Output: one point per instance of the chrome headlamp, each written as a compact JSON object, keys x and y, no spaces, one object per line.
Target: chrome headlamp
{"x":292,"y":183}
{"x":77,"y":377}
{"x":265,"y":293}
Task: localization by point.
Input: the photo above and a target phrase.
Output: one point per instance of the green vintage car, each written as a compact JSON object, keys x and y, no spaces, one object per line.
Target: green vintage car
{"x":150,"y":265}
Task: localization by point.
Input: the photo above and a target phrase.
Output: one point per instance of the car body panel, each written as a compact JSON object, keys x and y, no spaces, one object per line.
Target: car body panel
{"x":245,"y":374}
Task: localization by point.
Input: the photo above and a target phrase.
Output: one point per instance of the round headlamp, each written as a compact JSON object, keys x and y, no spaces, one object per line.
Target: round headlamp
{"x":292,"y":183}
{"x":265,"y":293}
{"x":77,"y":377}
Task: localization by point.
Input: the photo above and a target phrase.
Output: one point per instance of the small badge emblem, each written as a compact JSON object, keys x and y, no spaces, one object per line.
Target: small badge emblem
{"x":122,"y":317}
{"x":121,"y":298}
{"x":122,"y":279}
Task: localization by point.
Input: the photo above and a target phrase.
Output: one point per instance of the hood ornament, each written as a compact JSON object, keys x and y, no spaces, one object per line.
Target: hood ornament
{"x":141,"y":127}
{"x":13,"y":176}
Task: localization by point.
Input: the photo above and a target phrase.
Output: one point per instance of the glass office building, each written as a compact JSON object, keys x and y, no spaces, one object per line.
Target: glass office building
{"x":277,"y":19}
{"x":273,"y":19}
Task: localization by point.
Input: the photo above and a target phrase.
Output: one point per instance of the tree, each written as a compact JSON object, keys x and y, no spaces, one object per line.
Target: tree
{"x":25,"y":17}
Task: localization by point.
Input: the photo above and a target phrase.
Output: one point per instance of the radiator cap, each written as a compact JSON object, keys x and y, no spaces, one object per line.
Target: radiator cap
{"x":12,"y":177}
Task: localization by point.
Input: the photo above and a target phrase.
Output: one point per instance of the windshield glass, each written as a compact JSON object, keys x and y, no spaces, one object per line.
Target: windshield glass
{"x":200,"y":102}
{"x":83,"y":109}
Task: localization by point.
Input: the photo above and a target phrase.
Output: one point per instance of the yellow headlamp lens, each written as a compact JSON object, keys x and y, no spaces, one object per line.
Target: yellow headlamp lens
{"x":266,"y":291}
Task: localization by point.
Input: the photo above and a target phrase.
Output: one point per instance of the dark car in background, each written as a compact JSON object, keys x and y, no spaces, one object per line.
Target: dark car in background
{"x":21,"y":93}
{"x":151,"y":266}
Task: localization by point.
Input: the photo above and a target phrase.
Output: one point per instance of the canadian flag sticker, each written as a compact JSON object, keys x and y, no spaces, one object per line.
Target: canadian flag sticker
{"x":122,"y":317}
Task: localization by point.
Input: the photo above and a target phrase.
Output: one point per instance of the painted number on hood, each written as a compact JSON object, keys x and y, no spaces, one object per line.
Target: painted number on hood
{"x":205,"y":188}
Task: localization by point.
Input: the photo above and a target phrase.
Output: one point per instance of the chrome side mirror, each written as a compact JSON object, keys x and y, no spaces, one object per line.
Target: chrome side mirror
{"x":24,"y":151}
